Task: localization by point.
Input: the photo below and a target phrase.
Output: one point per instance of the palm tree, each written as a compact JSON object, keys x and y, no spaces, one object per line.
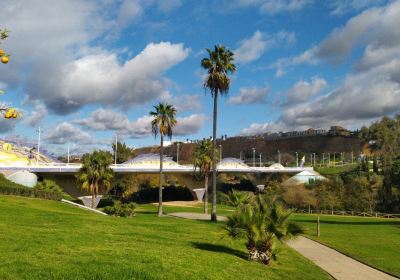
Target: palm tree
{"x":262,"y":223}
{"x":162,"y":123}
{"x":203,"y":161}
{"x":95,"y":173}
{"x":218,"y":64}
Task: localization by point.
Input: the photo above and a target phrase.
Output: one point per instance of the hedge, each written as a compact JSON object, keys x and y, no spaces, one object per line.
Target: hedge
{"x":30,"y":192}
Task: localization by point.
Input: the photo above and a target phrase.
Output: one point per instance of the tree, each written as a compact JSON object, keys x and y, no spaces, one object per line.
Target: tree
{"x":261,"y":224}
{"x":203,"y":161}
{"x":124,"y":153}
{"x":95,"y":173}
{"x":218,"y":64}
{"x":162,"y":124}
{"x":7,"y":111}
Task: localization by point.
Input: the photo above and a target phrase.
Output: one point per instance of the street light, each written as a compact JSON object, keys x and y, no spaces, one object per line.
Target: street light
{"x":297,"y":159}
{"x":279,"y":157}
{"x":68,"y":155}
{"x":177,"y":152}
{"x":220,"y":152}
{"x":38,"y":145}
{"x":240,"y":155}
{"x":260,"y":159}
{"x":254,"y":157}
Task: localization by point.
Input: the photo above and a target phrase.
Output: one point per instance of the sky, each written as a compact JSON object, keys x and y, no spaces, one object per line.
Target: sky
{"x":86,"y":71}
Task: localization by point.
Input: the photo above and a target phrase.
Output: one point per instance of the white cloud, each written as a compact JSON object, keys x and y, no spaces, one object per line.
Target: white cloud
{"x":261,"y":128}
{"x":36,"y":115}
{"x":303,"y":90}
{"x":272,"y":7}
{"x":66,"y":132}
{"x":251,"y":95}
{"x":184,"y":102}
{"x":105,"y":120}
{"x":253,"y":48}
{"x":102,"y":79}
{"x":341,"y":7}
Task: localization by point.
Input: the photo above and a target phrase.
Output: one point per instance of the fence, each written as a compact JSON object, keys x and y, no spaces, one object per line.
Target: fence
{"x":349,"y":213}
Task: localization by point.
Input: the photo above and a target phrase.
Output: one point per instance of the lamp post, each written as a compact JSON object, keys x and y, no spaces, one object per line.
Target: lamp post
{"x":220,"y":152}
{"x":116,"y":149}
{"x":260,"y":160}
{"x":254,"y":157}
{"x":240,"y":155}
{"x":39,"y":131}
{"x":297,"y":159}
{"x":279,"y":157}
{"x":177,"y":152}
{"x":68,"y":154}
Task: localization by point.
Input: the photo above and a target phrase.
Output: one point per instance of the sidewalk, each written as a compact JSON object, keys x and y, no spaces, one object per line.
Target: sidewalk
{"x":335,"y":263}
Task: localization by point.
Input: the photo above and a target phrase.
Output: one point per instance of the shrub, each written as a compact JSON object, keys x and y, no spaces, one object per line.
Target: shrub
{"x":237,"y":198}
{"x":48,"y":186}
{"x":121,"y":209}
{"x":10,"y":188}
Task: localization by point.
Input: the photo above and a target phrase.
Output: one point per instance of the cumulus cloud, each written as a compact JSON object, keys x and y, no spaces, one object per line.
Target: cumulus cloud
{"x":65,"y":64}
{"x":251,"y":95}
{"x":184,"y":102}
{"x":272,"y":7}
{"x":340,"y":7}
{"x":303,"y":90}
{"x":253,"y":48}
{"x":66,"y":132}
{"x":103,"y":120}
{"x":261,"y":128}
{"x":36,"y":116}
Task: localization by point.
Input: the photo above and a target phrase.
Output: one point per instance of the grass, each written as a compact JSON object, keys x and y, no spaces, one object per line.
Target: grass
{"x":41,"y":239}
{"x":336,"y":170}
{"x":373,"y":241}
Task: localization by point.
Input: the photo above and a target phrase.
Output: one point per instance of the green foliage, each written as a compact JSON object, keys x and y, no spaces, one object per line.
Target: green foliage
{"x":9,"y":188}
{"x":124,"y":152}
{"x":170,"y":193}
{"x":48,"y":185}
{"x":163,"y":119}
{"x":120,"y":209}
{"x":203,"y":157}
{"x":95,"y":173}
{"x":262,"y":223}
{"x":237,"y":198}
{"x":218,"y":64}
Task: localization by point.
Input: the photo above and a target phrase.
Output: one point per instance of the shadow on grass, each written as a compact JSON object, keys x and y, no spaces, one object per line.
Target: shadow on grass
{"x":390,"y":223}
{"x":219,"y":249}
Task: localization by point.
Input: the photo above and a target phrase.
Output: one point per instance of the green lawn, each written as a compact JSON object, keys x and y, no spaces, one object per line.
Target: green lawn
{"x":371,"y":240}
{"x":336,"y":170}
{"x":42,"y":239}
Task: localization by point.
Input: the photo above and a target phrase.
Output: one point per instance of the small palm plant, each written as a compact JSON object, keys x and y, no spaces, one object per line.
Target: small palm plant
{"x":237,"y":198}
{"x":203,"y":161}
{"x":162,"y":124}
{"x":262,"y":223}
{"x":95,"y":174}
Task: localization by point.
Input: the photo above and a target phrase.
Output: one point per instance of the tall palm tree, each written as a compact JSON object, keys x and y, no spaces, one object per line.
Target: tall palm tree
{"x":262,"y":223}
{"x":162,"y":124}
{"x":203,"y":161}
{"x":95,"y":173}
{"x":218,"y":64}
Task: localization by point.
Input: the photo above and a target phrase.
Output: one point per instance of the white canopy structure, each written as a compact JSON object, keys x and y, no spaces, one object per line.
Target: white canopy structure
{"x":304,"y":177}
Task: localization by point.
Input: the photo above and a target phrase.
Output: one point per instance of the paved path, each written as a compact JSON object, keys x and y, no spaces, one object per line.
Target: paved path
{"x":196,"y":216}
{"x":335,"y":263}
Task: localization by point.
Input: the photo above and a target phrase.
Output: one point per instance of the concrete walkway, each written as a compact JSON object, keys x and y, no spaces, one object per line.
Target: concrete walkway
{"x":335,"y":263}
{"x":196,"y":216}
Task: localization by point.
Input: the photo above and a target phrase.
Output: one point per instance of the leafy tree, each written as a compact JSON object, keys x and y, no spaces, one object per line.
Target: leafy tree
{"x":262,"y":223}
{"x":203,"y":161}
{"x":124,"y":152}
{"x":218,"y":64}
{"x":95,"y":174}
{"x":162,"y":124}
{"x":48,"y":185}
{"x":329,"y":193}
{"x":7,"y":111}
{"x":299,"y":196}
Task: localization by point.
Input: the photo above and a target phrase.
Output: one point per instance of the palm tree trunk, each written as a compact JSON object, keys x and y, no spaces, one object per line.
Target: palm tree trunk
{"x":160,"y":211}
{"x":93,"y":194}
{"x":206,"y":193}
{"x":214,"y":160}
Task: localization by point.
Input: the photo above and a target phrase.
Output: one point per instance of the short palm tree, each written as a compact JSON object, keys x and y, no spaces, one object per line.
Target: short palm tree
{"x":262,"y":224}
{"x":203,"y":161}
{"x":162,"y":124}
{"x":95,"y":174}
{"x":218,"y":64}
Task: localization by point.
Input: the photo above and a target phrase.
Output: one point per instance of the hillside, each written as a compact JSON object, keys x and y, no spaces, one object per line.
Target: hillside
{"x":233,"y":147}
{"x":51,"y":240}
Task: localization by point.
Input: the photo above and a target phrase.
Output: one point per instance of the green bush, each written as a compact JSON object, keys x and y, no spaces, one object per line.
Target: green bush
{"x":236,"y":198}
{"x":9,"y":188}
{"x":48,"y":186}
{"x":121,"y":209}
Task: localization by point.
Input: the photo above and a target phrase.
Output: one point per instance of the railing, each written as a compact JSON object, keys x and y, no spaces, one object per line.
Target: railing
{"x":349,"y":213}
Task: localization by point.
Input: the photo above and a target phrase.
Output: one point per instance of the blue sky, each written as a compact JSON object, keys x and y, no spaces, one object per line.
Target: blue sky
{"x":85,"y":71}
